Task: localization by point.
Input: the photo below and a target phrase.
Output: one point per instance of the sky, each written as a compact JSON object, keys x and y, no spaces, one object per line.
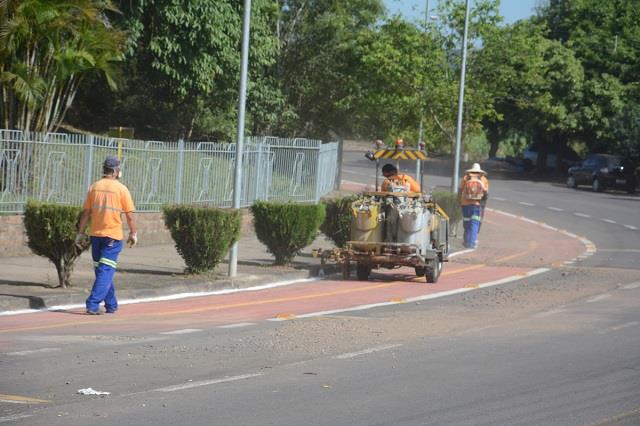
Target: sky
{"x":512,"y":10}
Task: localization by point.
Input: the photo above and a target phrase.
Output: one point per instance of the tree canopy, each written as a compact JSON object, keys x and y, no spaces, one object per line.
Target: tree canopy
{"x":567,"y":76}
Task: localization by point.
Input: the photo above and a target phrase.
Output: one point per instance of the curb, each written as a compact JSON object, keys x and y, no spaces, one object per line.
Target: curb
{"x":29,"y":304}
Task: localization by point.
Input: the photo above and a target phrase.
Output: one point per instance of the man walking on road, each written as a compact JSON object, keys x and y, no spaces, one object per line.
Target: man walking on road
{"x":106,"y":200}
{"x":472,"y":195}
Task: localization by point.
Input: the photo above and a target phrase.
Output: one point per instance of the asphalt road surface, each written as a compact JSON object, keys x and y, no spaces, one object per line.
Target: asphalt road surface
{"x":560,"y":347}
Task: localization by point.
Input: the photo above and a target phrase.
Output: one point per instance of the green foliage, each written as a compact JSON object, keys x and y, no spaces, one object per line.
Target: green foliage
{"x":183,"y":66}
{"x":448,"y":201}
{"x":46,"y":49}
{"x":202,"y":235}
{"x":286,"y":228}
{"x":51,"y":230}
{"x":337,"y":223}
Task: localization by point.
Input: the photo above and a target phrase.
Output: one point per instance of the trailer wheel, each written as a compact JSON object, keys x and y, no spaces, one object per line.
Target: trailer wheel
{"x":433,"y":272}
{"x":420,"y":271}
{"x":363,"y":270}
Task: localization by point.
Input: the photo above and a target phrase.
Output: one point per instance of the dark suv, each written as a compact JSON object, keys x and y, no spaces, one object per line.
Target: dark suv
{"x":603,"y":171}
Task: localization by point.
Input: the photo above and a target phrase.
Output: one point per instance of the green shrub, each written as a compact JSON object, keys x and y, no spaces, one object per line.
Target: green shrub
{"x":337,"y":223}
{"x":51,"y":231}
{"x":202,"y":235}
{"x":450,"y":204}
{"x":286,"y":228}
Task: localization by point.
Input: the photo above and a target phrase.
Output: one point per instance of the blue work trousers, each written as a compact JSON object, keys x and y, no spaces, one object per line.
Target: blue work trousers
{"x":104,"y":251}
{"x":471,"y":219}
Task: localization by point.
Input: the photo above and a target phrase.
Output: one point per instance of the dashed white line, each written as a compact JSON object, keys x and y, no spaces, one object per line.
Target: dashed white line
{"x":524,"y":203}
{"x":34,"y":351}
{"x":625,"y":325}
{"x":237,"y":325}
{"x":609,"y":221}
{"x":14,"y":418}
{"x":366,"y":351}
{"x":206,"y":383}
{"x":183,"y":331}
{"x":598,"y":298}
{"x":631,"y":286}
{"x":582,"y":215}
{"x":549,"y":313}
{"x":633,"y":228}
{"x":555,"y":209}
{"x":498,"y":199}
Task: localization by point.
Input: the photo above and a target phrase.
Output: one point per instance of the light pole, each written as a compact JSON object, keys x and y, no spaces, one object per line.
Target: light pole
{"x":456,"y":164}
{"x":237,"y":180}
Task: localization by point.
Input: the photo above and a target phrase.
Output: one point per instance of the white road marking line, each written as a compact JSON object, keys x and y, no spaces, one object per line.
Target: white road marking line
{"x":526,"y":219}
{"x":625,"y":325}
{"x":366,"y":351}
{"x":631,"y":286}
{"x":14,"y":418}
{"x":170,"y":297}
{"x":569,"y":234}
{"x":33,"y":351}
{"x":237,"y":325}
{"x":524,"y":203}
{"x":609,"y":221}
{"x":183,"y":331}
{"x":598,"y":298}
{"x":458,"y":253}
{"x":633,"y":228}
{"x":552,"y":228}
{"x":549,"y":313}
{"x":420,"y":298}
{"x":206,"y":383}
{"x":582,"y":215}
{"x":555,"y":209}
{"x":498,"y":198}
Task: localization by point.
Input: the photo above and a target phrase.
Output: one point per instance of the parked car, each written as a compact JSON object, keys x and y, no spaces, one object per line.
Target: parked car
{"x":530,"y":157}
{"x":603,"y":171}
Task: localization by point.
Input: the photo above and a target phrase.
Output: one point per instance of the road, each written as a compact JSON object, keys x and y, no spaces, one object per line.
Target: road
{"x":557,"y":347}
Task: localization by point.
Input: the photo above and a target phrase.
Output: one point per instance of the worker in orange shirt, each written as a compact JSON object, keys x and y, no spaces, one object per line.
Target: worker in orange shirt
{"x":106,"y":201}
{"x":472,"y":195}
{"x":393,"y":178}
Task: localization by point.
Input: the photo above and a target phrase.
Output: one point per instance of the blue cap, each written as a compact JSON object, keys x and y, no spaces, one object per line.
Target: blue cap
{"x":111,"y":162}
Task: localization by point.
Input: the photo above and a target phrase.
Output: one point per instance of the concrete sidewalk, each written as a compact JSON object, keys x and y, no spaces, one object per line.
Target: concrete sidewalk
{"x":29,"y":282}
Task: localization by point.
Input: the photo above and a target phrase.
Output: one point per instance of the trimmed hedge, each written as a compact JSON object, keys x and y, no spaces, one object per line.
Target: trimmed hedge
{"x":202,"y":235}
{"x":51,"y":231}
{"x":337,"y":223}
{"x":286,"y":228}
{"x":450,"y":204}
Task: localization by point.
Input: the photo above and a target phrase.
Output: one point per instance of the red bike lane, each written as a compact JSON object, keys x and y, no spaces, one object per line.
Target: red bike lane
{"x":510,"y":248}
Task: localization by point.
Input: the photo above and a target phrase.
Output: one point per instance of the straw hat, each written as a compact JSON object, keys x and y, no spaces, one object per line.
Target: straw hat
{"x":476,"y":169}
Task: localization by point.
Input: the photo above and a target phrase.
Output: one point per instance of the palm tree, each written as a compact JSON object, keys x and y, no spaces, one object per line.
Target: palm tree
{"x":46,"y":48}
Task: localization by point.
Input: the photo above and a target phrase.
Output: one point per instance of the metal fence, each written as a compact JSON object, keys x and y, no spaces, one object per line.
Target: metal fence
{"x":59,"y":168}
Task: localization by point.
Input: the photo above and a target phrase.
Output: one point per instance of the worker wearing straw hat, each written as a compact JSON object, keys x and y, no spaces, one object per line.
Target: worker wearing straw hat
{"x":473,"y":194}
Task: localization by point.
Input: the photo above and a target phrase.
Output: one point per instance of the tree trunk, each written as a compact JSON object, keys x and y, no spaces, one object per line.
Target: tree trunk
{"x":63,"y":274}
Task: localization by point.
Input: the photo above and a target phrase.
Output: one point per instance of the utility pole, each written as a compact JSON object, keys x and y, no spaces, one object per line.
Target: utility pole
{"x":456,"y":164}
{"x":237,"y":181}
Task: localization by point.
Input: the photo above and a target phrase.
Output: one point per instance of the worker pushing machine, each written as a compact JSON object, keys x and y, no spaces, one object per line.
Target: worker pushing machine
{"x":106,"y":201}
{"x":393,"y":179}
{"x":473,"y":194}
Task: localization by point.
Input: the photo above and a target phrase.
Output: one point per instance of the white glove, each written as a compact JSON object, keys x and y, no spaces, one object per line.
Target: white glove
{"x":79,"y":239}
{"x":132,"y":240}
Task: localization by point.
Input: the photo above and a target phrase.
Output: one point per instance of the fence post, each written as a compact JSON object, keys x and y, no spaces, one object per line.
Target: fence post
{"x":336,"y":184}
{"x":180,"y":171}
{"x":88,"y":162}
{"x":318,"y":171}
